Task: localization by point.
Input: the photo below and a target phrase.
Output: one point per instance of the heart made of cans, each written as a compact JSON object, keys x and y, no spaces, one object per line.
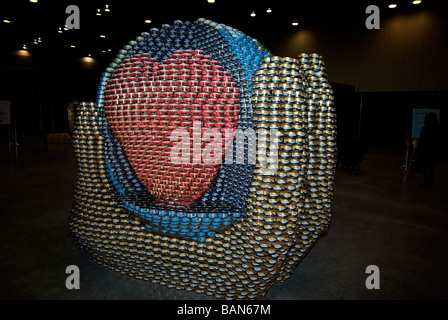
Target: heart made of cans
{"x":168,"y":79}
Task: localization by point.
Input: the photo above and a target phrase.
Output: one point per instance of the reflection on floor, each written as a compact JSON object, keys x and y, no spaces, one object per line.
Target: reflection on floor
{"x":379,"y":219}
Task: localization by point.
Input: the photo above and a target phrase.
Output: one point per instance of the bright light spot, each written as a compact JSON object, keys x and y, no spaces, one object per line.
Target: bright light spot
{"x":23,"y":53}
{"x":88,"y":59}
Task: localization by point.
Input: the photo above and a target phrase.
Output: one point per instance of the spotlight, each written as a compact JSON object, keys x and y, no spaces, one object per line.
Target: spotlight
{"x":107,"y":8}
{"x":269,"y":10}
{"x":253,"y":14}
{"x":98,"y":12}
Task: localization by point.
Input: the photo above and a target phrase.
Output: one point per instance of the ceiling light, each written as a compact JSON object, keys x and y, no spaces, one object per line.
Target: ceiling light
{"x":65,"y":28}
{"x":23,"y":53}
{"x":98,"y":12}
{"x":393,"y":5}
{"x":24,"y":47}
{"x":6,"y":20}
{"x":253,"y":14}
{"x":33,"y":1}
{"x":89,"y":55}
{"x":107,"y":8}
{"x":102,"y":36}
{"x":295,"y":23}
{"x":60,"y":30}
{"x":147,"y":21}
{"x":269,"y":10}
{"x":416,"y":1}
{"x":211,"y":1}
{"x":72,"y":46}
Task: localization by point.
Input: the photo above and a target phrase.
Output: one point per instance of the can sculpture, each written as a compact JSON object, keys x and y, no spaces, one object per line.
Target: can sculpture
{"x":230,"y":218}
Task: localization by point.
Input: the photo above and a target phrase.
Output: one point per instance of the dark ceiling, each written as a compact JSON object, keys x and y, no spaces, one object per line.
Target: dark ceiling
{"x":126,"y":20}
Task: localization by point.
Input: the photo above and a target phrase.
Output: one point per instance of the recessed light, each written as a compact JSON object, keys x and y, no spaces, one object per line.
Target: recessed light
{"x":393,"y":5}
{"x":60,"y":30}
{"x":416,"y":1}
{"x":72,"y":46}
{"x":6,"y":20}
{"x":107,"y":8}
{"x":295,"y":23}
{"x":253,"y":14}
{"x":102,"y":36}
{"x":269,"y":10}
{"x":98,"y":12}
{"x":211,"y":1}
{"x":33,"y":1}
{"x":147,"y":21}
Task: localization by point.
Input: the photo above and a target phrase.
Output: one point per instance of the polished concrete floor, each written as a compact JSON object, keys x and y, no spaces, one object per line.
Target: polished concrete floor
{"x":379,"y":219}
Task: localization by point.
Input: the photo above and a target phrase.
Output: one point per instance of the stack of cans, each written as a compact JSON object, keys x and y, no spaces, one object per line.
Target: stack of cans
{"x":246,"y":228}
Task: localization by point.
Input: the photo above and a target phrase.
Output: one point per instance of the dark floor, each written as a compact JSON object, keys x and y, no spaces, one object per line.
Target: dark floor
{"x":378,"y":220}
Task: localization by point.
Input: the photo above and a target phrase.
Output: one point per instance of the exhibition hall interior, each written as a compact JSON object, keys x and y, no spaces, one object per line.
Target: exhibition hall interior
{"x":335,"y":191}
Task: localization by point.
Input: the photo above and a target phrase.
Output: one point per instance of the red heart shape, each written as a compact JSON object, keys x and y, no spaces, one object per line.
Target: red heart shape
{"x":145,"y":101}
